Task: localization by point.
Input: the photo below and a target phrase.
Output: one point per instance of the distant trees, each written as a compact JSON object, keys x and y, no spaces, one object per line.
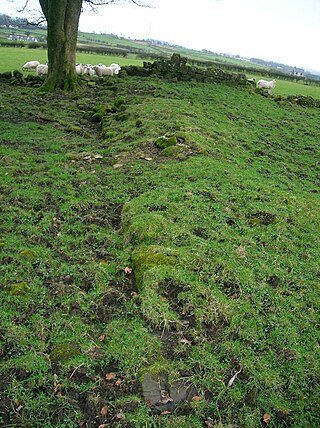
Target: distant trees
{"x":14,"y":22}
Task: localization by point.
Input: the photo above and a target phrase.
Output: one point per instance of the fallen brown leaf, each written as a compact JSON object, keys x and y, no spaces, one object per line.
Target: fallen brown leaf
{"x":104,"y":411}
{"x":165,"y":412}
{"x":118,"y":382}
{"x":234,"y":377}
{"x":241,"y":252}
{"x":110,"y":376}
{"x":127,"y":270}
{"x":266,"y":418}
{"x":120,"y":416}
{"x":101,"y":337}
{"x":209,"y":422}
{"x":196,"y":398}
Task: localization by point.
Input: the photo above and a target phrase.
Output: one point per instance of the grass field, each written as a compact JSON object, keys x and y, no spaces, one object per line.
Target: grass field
{"x":286,"y":87}
{"x":192,"y":265}
{"x":14,"y":58}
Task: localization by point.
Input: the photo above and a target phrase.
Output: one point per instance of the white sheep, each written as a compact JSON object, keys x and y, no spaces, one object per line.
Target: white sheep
{"x":42,"y":69}
{"x":266,"y":84}
{"x":30,"y":65}
{"x":116,"y":68}
{"x":102,"y":70}
{"x":88,"y":69}
{"x":79,"y":68}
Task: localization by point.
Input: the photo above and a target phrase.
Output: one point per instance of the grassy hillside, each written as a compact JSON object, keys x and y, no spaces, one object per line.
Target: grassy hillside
{"x":112,"y":41}
{"x":129,"y":268}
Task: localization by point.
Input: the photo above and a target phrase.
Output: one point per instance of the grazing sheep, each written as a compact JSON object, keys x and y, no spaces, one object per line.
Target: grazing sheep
{"x":116,"y":68}
{"x":42,"y":69}
{"x":79,"y":69}
{"x":30,"y":65}
{"x":88,"y":69}
{"x":266,"y":84}
{"x":102,"y":70}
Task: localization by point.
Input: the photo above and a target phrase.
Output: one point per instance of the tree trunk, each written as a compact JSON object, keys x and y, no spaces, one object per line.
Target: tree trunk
{"x":62,"y":30}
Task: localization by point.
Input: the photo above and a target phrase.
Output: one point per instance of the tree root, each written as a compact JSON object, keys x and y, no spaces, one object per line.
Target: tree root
{"x":69,"y":127}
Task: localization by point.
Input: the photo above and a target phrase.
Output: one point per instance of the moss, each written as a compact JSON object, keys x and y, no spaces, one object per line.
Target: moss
{"x":174,"y":151}
{"x":119,"y":102}
{"x":261,"y":218}
{"x":7,"y":75}
{"x":145,"y":258}
{"x":64,"y":352}
{"x":17,"y":74}
{"x":121,"y":116}
{"x":204,"y":152}
{"x":159,"y":369}
{"x":98,"y":112}
{"x":18,"y":289}
{"x":146,"y":228}
{"x":164,"y":142}
{"x":29,"y":254}
{"x":181,"y":137}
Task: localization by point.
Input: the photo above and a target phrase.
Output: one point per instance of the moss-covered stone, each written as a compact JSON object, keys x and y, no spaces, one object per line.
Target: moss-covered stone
{"x":119,"y":101}
{"x":145,"y":228}
{"x":64,"y":352}
{"x":261,"y":218}
{"x":164,"y":142}
{"x":18,"y":289}
{"x":98,"y":112}
{"x":29,"y":254}
{"x":121,"y":116}
{"x":17,"y":74}
{"x":164,"y":395}
{"x":7,"y":75}
{"x":148,"y":257}
{"x":174,"y":151}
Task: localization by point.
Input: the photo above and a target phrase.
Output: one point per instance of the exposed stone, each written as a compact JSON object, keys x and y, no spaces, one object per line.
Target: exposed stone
{"x":148,"y":257}
{"x":164,"y":142}
{"x":7,"y":75}
{"x":17,"y":74}
{"x":161,"y":396}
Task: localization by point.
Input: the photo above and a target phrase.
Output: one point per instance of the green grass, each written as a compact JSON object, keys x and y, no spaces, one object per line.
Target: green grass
{"x":286,"y":87}
{"x":221,"y":232}
{"x":14,"y":58}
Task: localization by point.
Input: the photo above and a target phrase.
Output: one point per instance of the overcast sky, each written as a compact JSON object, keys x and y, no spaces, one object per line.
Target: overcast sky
{"x":286,"y":31}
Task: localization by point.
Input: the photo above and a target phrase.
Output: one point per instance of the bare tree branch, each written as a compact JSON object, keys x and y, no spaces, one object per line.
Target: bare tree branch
{"x":104,"y":2}
{"x":24,"y":7}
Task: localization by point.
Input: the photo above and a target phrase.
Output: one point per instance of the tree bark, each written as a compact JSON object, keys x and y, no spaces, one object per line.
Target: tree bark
{"x":62,"y":30}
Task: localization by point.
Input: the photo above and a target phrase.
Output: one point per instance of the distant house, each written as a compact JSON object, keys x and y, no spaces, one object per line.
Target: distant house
{"x":299,"y":72}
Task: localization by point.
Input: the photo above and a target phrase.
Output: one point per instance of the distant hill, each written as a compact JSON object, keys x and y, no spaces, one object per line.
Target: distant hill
{"x":18,"y":30}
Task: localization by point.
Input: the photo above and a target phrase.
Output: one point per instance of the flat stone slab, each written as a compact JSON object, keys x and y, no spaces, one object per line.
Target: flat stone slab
{"x":164,"y":397}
